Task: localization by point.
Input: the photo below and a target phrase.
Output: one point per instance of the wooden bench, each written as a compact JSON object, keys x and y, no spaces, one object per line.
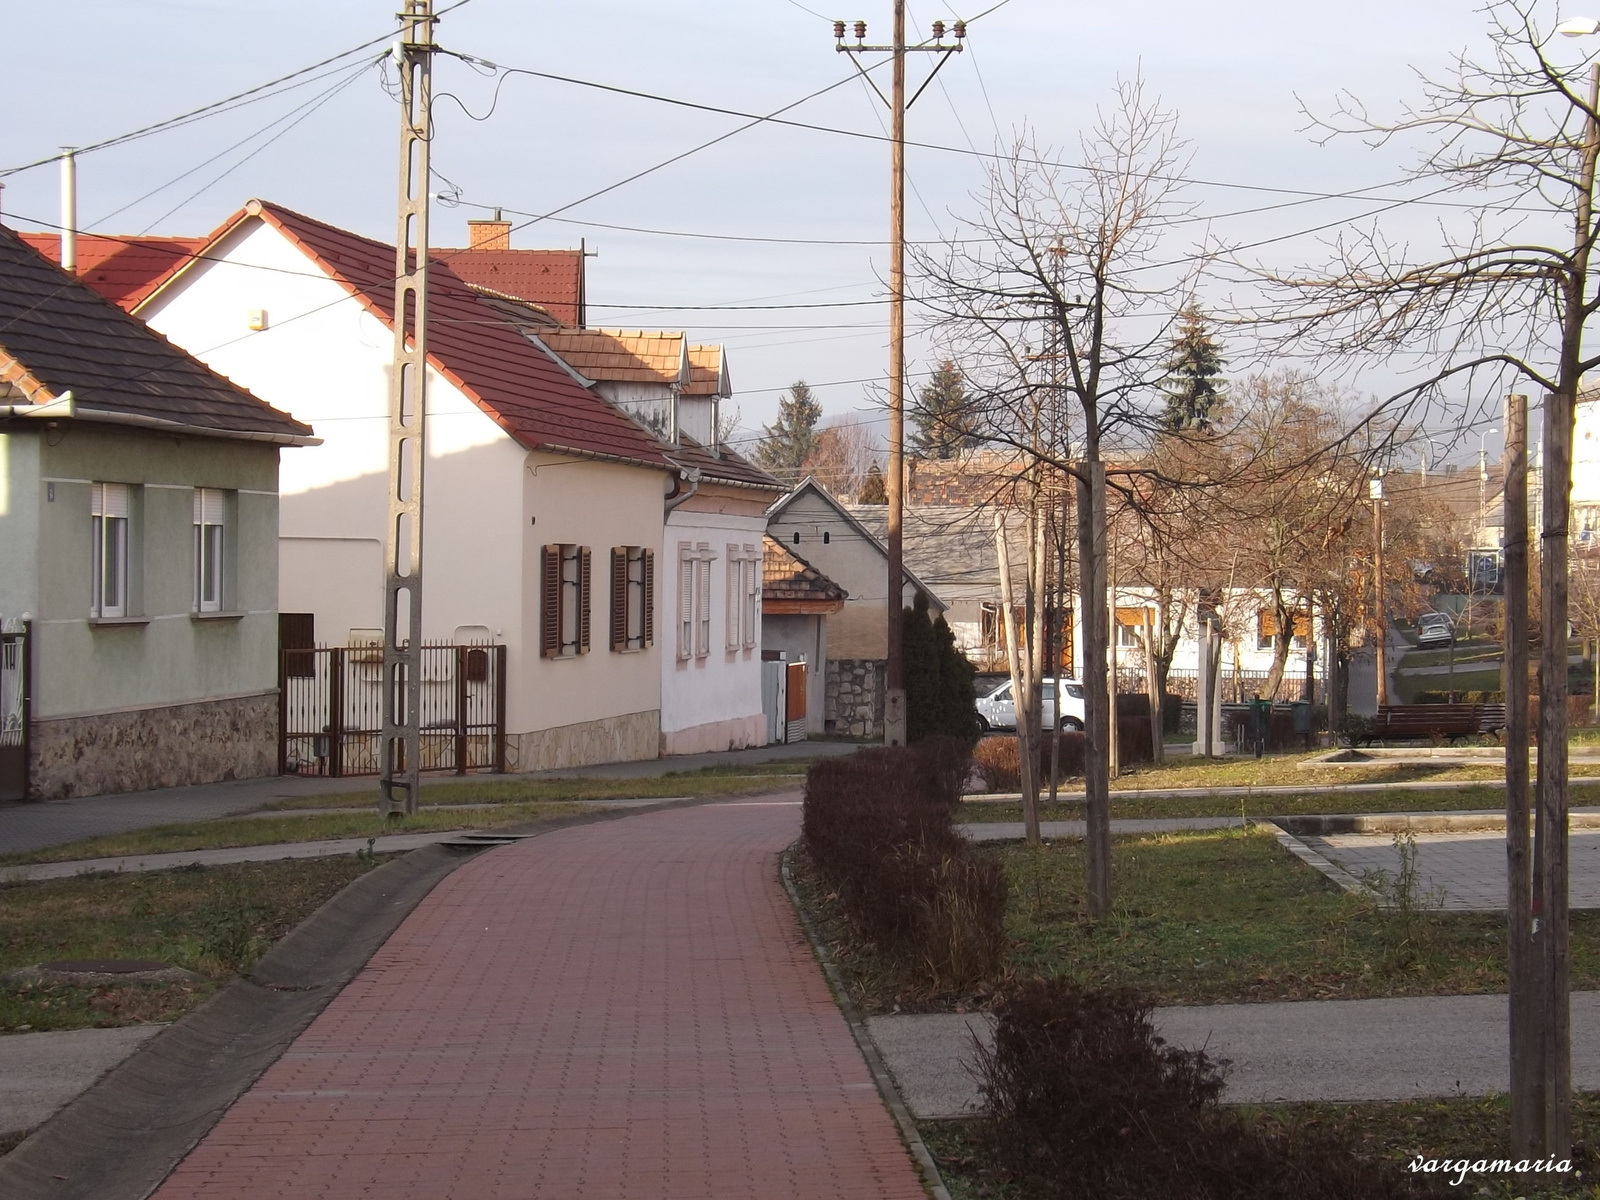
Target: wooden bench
{"x":1436,"y":722}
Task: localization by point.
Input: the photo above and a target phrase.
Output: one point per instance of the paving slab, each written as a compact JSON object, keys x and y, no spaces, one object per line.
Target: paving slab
{"x":1331,"y":1050}
{"x":40,"y":1073}
{"x":392,"y":843}
{"x":619,"y":1010}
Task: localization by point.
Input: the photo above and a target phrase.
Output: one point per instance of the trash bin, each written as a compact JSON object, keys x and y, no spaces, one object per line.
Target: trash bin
{"x":1300,"y":714}
{"x":1258,"y":723}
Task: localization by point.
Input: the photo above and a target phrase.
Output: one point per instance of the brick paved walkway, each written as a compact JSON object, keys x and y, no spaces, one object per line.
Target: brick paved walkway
{"x":618,"y":1010}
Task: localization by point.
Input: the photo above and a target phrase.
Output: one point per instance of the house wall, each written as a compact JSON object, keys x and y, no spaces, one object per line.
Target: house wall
{"x":21,"y":493}
{"x":165,"y":696}
{"x":1586,"y":470}
{"x":490,"y":505}
{"x":714,"y":702}
{"x":803,"y":637}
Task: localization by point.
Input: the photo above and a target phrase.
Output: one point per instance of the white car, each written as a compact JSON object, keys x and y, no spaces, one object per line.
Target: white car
{"x":998,"y":710}
{"x":1435,"y":629}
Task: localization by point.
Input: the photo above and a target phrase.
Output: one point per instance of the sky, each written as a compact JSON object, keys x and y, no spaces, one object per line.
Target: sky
{"x":781,"y":216}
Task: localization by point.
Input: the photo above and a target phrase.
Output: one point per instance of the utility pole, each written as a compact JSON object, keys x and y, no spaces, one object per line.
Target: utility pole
{"x":1375,"y":490}
{"x":408,"y":416}
{"x":894,"y":711}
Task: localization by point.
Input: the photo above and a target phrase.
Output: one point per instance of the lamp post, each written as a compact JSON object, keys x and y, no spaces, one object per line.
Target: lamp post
{"x":1483,"y":487}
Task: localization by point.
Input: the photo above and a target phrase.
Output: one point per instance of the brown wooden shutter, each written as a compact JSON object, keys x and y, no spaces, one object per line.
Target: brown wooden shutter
{"x":619,"y":597}
{"x":649,"y":597}
{"x":584,"y":594}
{"x":550,"y":615}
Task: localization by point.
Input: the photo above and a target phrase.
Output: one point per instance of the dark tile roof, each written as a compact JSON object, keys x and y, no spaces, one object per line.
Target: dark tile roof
{"x":723,"y":465}
{"x":122,"y":269}
{"x":530,"y":395}
{"x":787,"y":576}
{"x":59,"y":335}
{"x":552,"y":279}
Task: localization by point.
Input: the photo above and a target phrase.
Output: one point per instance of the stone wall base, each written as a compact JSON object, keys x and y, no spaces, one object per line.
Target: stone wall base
{"x":736,"y":733}
{"x":853,"y":698}
{"x":627,"y":738}
{"x":144,"y":749}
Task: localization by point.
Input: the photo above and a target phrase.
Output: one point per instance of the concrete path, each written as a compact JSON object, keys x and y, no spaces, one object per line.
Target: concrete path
{"x":619,"y":1010}
{"x":1336,"y":1050}
{"x":41,"y":1072}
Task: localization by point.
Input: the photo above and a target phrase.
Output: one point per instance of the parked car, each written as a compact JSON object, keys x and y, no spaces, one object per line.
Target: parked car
{"x":998,"y":710}
{"x":1435,"y":629}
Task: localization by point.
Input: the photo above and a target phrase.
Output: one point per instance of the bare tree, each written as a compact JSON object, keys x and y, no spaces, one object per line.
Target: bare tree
{"x":1503,"y":304}
{"x":842,"y":454}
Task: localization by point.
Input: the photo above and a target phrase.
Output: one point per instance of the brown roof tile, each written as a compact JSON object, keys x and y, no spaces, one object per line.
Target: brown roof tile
{"x":66,"y":336}
{"x":785,"y":576}
{"x":723,"y":465}
{"x":552,"y":279}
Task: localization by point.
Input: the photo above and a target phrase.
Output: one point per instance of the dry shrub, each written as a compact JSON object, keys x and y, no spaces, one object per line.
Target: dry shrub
{"x":996,"y":757}
{"x":1085,"y":1101}
{"x":879,"y":825}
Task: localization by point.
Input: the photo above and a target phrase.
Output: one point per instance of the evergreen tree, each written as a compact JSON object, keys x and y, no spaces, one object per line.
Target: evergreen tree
{"x":792,"y":438}
{"x":873,"y":490}
{"x":940,"y":695}
{"x":958,"y":691}
{"x":1194,"y":385}
{"x":943,"y":415}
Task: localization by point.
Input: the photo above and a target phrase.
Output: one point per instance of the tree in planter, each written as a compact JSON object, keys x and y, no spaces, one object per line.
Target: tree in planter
{"x":789,"y":441}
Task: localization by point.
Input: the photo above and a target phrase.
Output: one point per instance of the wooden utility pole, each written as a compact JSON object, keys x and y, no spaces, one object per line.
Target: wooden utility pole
{"x":1375,"y":489}
{"x":894,"y":711}
{"x":1527,"y":1091}
{"x":401,"y":746}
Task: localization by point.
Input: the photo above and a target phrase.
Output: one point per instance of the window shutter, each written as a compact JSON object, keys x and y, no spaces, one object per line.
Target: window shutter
{"x":752,"y":631}
{"x":110,"y":499}
{"x":649,"y":597}
{"x":703,"y":633}
{"x":619,"y":598}
{"x":550,"y":617}
{"x":734,"y":598}
{"x":208,"y":506}
{"x":686,"y":569}
{"x":584,"y":595}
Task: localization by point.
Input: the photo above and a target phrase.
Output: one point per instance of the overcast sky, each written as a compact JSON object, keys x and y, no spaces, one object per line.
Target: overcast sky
{"x":95,"y":68}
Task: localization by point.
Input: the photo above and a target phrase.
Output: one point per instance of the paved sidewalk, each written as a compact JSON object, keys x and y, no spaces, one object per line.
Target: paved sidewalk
{"x":1333,"y":1050}
{"x":392,"y":843}
{"x":42,"y":1072}
{"x":1010,"y":831}
{"x":619,"y":1010}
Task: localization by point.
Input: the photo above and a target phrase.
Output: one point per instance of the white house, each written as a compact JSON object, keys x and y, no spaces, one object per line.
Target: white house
{"x":138,"y":541}
{"x":544,"y":503}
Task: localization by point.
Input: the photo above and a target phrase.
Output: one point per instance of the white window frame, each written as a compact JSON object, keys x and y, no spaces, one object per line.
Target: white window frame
{"x":210,"y":547}
{"x":686,"y":575}
{"x":110,"y":513}
{"x":733,"y":598}
{"x":752,"y":597}
{"x":702,"y":578}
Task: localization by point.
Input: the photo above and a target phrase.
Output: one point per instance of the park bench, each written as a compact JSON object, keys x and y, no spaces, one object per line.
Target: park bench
{"x":1436,"y":722}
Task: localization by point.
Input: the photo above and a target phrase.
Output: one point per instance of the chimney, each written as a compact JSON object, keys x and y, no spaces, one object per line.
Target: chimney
{"x":493,"y":234}
{"x":69,"y":212}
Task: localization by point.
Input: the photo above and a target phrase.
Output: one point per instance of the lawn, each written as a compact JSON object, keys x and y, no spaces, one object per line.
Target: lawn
{"x":211,"y":920}
{"x":1465,"y":1127}
{"x":268,"y":831}
{"x":1409,"y":686}
{"x":1466,"y":797}
{"x":1476,"y":650}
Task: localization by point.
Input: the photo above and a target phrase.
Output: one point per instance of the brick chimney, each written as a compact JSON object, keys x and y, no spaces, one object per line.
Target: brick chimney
{"x":493,"y":234}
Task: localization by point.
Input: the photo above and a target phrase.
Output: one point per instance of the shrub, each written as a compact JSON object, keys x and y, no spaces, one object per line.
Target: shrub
{"x":940,"y":693}
{"x":996,"y":757}
{"x":879,"y":825}
{"x":1085,"y":1100}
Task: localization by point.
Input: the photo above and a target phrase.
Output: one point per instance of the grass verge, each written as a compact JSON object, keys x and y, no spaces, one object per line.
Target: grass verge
{"x":1467,"y":1127}
{"x":268,"y":831}
{"x":1464,"y":798}
{"x":215,"y":921}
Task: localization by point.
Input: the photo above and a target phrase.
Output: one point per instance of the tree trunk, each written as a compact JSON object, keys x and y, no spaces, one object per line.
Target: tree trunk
{"x":1021,"y":689}
{"x":1152,"y":687}
{"x":1092,"y":593}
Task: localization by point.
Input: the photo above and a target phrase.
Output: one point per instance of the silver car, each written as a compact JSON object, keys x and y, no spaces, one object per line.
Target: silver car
{"x":998,"y":710}
{"x":1435,"y":629}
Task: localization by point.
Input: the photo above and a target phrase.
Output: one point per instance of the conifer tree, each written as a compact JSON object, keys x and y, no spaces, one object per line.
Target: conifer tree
{"x":792,"y":438}
{"x":943,"y":415}
{"x":1194,"y":384}
{"x":873,"y":490}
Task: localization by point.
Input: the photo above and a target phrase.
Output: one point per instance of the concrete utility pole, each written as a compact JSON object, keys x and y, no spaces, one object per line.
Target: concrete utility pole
{"x":894,"y":710}
{"x":1375,"y":490}
{"x":408,"y":416}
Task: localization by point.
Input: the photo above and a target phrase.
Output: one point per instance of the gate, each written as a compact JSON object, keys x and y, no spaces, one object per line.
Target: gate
{"x":795,"y":702}
{"x":331,"y":711}
{"x":16,"y":693}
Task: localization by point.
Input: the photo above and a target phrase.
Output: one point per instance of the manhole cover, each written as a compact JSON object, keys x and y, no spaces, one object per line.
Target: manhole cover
{"x":104,"y":966}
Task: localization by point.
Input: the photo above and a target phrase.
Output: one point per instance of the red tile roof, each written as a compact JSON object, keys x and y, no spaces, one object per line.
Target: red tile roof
{"x":552,"y":279}
{"x":722,"y":465}
{"x":57,"y":335}
{"x":527,"y":393}
{"x":122,"y":269}
{"x":789,"y":584}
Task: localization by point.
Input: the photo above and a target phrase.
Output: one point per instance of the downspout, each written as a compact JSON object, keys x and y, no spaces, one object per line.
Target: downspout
{"x":689,"y":475}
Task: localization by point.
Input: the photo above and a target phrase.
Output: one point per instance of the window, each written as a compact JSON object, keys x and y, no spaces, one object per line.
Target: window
{"x":633,"y":598}
{"x":209,"y":504}
{"x":1267,"y":630}
{"x":1130,"y":627}
{"x":744,"y":597}
{"x":694,"y":599}
{"x":564,"y":584}
{"x":110,"y":508}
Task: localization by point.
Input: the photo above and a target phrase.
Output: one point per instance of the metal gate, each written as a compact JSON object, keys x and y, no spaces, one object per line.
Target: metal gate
{"x":331,"y":715}
{"x":16,"y":690}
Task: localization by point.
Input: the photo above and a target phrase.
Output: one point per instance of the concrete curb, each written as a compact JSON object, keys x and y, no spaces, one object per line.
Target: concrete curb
{"x":931,"y":1179}
{"x":1329,"y":868}
{"x":120,"y":1139}
{"x":1320,"y":825}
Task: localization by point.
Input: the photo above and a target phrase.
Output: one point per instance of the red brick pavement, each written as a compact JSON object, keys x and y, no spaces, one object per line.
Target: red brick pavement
{"x":625,"y":1009}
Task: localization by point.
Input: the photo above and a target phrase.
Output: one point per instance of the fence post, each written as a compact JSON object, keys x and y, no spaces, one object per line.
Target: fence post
{"x":335,"y":711}
{"x":283,"y":709}
{"x":461,"y":709}
{"x":500,"y":710}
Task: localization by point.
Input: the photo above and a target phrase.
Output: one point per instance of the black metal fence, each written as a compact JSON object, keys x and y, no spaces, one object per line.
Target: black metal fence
{"x":331,"y":715}
{"x":15,"y":698}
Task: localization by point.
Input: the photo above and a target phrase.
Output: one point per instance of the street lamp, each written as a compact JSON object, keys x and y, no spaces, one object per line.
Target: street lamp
{"x":1483,"y":492}
{"x":1423,"y":455}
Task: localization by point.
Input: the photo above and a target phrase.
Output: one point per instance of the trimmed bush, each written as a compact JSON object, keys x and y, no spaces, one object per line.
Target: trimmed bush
{"x":879,"y":825}
{"x":996,"y":757}
{"x":1084,"y":1100}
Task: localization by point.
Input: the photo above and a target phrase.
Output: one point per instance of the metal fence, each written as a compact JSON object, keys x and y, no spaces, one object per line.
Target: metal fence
{"x":331,"y":715}
{"x":15,"y":695}
{"x":1240,"y":686}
